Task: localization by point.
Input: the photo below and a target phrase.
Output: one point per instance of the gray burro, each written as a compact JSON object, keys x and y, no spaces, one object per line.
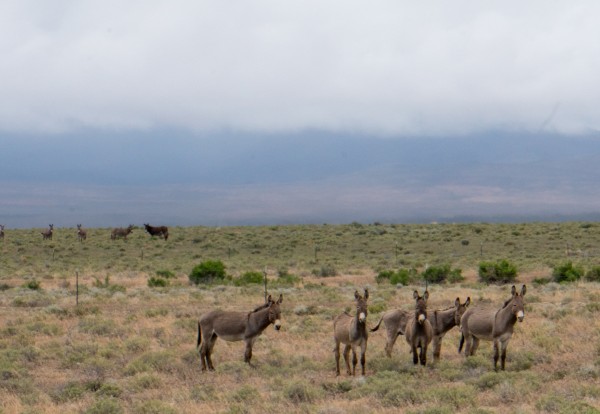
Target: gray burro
{"x":236,"y":326}
{"x":352,"y":332}
{"x":492,"y":325}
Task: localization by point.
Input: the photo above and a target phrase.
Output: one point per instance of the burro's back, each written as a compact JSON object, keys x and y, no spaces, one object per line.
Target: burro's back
{"x":494,"y":325}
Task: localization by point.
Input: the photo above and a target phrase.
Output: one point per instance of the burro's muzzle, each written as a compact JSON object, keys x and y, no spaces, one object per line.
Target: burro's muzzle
{"x":520,"y":316}
{"x":362,"y":317}
{"x":277,"y":324}
{"x":422,"y":318}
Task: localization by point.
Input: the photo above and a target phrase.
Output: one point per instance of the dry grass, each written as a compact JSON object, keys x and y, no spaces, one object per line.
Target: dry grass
{"x":133,"y":349}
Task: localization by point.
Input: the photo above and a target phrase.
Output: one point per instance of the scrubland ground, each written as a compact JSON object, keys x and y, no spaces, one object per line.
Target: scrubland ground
{"x":127,"y":347}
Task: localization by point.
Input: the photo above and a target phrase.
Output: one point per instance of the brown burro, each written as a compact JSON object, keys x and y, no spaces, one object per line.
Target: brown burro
{"x":418,"y":329}
{"x":236,"y":326}
{"x":441,"y":321}
{"x":492,"y":325}
{"x":352,"y":332}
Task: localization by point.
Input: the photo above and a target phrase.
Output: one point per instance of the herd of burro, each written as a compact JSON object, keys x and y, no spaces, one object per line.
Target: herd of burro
{"x":116,"y":233}
{"x":419,"y":327}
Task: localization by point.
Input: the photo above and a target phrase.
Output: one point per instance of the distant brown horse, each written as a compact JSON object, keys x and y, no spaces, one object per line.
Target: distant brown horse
{"x":121,"y":232}
{"x":47,"y":234}
{"x":352,"y":332}
{"x":235,"y":326}
{"x":81,"y":233}
{"x":492,"y":325}
{"x":2,"y":231}
{"x":160,"y":231}
{"x":418,"y":329}
{"x":441,"y":321}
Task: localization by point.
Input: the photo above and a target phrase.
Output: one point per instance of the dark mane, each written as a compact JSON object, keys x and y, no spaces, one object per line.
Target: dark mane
{"x":261,"y":307}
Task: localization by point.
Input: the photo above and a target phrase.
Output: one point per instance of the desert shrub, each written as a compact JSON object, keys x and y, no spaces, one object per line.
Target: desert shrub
{"x":593,"y":275}
{"x":33,"y":285}
{"x":326,"y":270}
{"x":567,"y":272}
{"x":302,"y":392}
{"x":166,"y":274}
{"x":105,"y":406}
{"x":501,"y":271}
{"x":439,"y":274}
{"x":153,"y":407}
{"x":209,"y":271}
{"x":4,"y":286}
{"x":401,"y":276}
{"x":249,"y":278}
{"x":157,"y":282}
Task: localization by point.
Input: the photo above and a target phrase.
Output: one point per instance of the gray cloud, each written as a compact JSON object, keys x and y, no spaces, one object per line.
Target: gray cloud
{"x":381,"y":68}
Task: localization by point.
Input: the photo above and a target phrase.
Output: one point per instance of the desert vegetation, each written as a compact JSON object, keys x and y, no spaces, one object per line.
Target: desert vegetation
{"x":129,"y":343}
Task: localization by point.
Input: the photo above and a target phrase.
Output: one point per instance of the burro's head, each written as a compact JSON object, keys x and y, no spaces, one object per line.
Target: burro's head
{"x":421,"y":306}
{"x":517,"y":303}
{"x":361,"y":306}
{"x":275,"y":311}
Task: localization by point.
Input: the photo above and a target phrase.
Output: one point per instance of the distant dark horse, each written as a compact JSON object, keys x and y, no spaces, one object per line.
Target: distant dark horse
{"x":81,"y":233}
{"x":2,"y":231}
{"x":160,"y":231}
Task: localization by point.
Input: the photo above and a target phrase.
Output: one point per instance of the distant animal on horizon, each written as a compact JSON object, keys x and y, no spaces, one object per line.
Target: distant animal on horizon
{"x":121,"y":232}
{"x":160,"y":231}
{"x":47,"y":234}
{"x":492,"y":325}
{"x":419,"y":331}
{"x":81,"y":233}
{"x":441,"y":321}
{"x":2,"y":231}
{"x":236,"y":326}
{"x":352,"y":332}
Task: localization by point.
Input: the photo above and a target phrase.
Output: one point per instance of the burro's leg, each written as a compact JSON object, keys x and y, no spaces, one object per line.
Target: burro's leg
{"x":437,"y":347}
{"x":248,"y":353}
{"x":354,"y":360}
{"x":423,"y":354}
{"x":468,"y":344}
{"x":496,"y":353}
{"x":336,"y":351}
{"x":363,"y":358}
{"x":392,"y":335}
{"x":347,"y":358}
{"x":503,"y":346}
{"x":209,"y":351}
{"x":475,"y":345}
{"x":415,"y":354}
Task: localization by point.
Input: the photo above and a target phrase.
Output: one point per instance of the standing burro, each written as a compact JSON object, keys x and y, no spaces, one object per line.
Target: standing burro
{"x":492,"y":325}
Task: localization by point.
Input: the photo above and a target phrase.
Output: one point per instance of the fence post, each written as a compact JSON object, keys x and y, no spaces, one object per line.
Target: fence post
{"x":265,"y":275}
{"x":77,"y":288}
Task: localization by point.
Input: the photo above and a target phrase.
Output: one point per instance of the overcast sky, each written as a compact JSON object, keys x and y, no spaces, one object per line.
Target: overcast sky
{"x":89,"y":71}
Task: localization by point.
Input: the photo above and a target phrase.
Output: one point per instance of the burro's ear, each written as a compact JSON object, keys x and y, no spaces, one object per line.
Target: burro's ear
{"x":513,"y":290}
{"x":356,"y":294}
{"x":415,"y":295}
{"x":468,"y":301}
{"x":366,"y":293}
{"x":426,"y":295}
{"x":280,"y":298}
{"x":457,"y":303}
{"x":523,"y":290}
{"x":269,"y":299}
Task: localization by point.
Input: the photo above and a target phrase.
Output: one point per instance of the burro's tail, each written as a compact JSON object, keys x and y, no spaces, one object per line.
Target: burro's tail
{"x":377,"y":326}
{"x":462,"y":342}
{"x":199,"y":335}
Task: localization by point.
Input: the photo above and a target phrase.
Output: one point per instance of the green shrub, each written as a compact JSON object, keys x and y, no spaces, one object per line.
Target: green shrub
{"x":208,"y":271}
{"x":33,"y":285}
{"x":157,"y":282}
{"x":402,"y":276}
{"x":593,"y":275}
{"x":326,"y":270}
{"x":166,"y":274}
{"x":567,"y":272}
{"x":105,"y":406}
{"x":153,"y":407}
{"x":439,"y":274}
{"x":501,"y":271}
{"x":249,"y":278}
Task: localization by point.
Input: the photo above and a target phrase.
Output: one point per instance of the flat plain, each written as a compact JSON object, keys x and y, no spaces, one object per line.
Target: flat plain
{"x":123,"y":346}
